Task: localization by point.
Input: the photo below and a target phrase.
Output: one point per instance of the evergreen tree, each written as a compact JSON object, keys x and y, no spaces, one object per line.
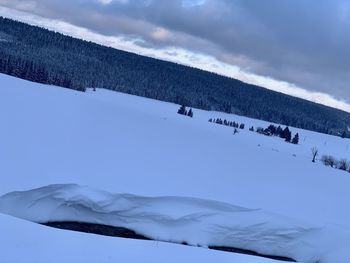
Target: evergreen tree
{"x":272,"y":129}
{"x":286,"y":134}
{"x":182,"y":110}
{"x":279,"y":131}
{"x":296,"y":139}
{"x":190,"y":113}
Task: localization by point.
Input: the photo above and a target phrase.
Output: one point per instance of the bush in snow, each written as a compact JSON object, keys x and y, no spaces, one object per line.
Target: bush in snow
{"x":343,"y":165}
{"x":329,"y":160}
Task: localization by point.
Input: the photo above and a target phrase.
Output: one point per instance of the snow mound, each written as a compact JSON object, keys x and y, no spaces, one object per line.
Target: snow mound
{"x":197,"y":222}
{"x":42,"y":244}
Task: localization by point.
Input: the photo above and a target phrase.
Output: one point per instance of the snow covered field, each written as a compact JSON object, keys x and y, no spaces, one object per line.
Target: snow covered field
{"x":126,"y":144}
{"x":196,"y":222}
{"x":25,"y":242}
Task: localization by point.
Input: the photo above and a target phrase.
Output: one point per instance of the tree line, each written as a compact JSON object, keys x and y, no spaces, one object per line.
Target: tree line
{"x":277,"y":131}
{"x":227,"y":123}
{"x":40,"y":55}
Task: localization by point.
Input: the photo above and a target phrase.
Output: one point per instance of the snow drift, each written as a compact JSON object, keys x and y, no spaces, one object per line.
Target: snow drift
{"x":197,"y":222}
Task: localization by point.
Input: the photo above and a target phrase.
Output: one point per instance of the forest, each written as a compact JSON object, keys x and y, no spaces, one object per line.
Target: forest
{"x":37,"y":54}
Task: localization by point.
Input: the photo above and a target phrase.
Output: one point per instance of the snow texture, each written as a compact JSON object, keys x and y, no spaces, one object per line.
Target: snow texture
{"x":128,"y":144}
{"x":197,"y":222}
{"x":26,"y":242}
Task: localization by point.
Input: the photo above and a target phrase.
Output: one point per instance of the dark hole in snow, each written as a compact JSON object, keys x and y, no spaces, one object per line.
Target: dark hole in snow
{"x":250,"y":252}
{"x":97,"y":229}
{"x":123,"y":232}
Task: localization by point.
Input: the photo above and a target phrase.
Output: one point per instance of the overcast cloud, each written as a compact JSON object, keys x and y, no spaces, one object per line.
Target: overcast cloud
{"x":304,"y":43}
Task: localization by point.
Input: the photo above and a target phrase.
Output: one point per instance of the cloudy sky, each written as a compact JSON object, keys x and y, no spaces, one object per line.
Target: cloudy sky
{"x":299,"y":47}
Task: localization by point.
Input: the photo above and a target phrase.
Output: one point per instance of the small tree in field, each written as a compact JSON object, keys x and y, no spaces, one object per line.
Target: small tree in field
{"x":182,"y":110}
{"x":314,"y":152}
{"x":295,"y":139}
{"x":286,"y":134}
{"x":190,"y":113}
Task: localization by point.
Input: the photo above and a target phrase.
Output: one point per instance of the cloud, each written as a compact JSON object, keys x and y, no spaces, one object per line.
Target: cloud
{"x":301,"y":42}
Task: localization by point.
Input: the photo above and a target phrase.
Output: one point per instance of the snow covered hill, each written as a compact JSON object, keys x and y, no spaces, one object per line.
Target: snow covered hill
{"x":127,"y":144}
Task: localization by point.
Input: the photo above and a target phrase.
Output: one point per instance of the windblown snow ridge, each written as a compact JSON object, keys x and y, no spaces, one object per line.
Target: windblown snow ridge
{"x":191,"y":221}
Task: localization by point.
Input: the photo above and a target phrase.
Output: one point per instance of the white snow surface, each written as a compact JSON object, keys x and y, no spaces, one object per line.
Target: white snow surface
{"x":127,"y":144}
{"x":26,"y":242}
{"x":197,"y":222}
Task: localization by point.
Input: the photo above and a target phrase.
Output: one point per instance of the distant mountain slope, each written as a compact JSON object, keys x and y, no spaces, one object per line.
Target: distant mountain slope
{"x":43,"y":56}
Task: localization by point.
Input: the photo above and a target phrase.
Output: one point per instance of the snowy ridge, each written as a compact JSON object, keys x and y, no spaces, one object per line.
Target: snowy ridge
{"x":197,"y":222}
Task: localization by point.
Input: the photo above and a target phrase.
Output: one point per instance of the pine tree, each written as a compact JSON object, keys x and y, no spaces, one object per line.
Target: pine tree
{"x":286,"y":134}
{"x":190,"y":113}
{"x":295,"y":139}
{"x":182,"y":110}
{"x":279,"y":131}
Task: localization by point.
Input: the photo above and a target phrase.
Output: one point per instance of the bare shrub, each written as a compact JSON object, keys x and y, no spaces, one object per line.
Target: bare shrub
{"x":343,"y":165}
{"x":314,"y":152}
{"x":329,"y":160}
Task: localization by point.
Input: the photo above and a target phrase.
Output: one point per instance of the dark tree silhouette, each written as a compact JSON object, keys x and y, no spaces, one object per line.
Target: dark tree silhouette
{"x":190,"y":113}
{"x":295,"y":139}
{"x":314,"y":152}
{"x":286,"y":134}
{"x":182,"y":110}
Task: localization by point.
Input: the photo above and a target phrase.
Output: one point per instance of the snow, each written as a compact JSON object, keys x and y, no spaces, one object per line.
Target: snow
{"x":126,"y":144}
{"x":26,"y":242}
{"x":197,"y":222}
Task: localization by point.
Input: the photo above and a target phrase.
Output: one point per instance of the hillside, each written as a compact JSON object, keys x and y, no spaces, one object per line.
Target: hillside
{"x":126,"y":144}
{"x":39,"y":55}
